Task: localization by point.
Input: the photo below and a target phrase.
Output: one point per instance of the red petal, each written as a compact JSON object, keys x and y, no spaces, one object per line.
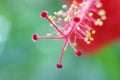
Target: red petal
{"x":109,"y":32}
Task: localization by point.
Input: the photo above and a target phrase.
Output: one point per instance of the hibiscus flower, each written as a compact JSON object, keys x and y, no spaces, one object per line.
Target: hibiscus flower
{"x":80,"y":25}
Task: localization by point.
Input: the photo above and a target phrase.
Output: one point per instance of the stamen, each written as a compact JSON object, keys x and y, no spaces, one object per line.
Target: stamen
{"x":90,"y":14}
{"x":102,"y":12}
{"x":99,"y":5}
{"x":64,"y":6}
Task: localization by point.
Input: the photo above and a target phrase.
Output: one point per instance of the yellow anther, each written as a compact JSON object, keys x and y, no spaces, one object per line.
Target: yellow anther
{"x":77,"y":12}
{"x":98,"y":22}
{"x":50,"y":16}
{"x":93,"y":31}
{"x":88,"y":34}
{"x":75,"y":7}
{"x":78,"y":28}
{"x":90,"y":14}
{"x":82,"y":4}
{"x":60,"y":12}
{"x":70,"y":9}
{"x":88,"y":42}
{"x":67,"y":19}
{"x":103,"y":17}
{"x":99,"y":5}
{"x":55,"y":13}
{"x":91,"y":39}
{"x":72,"y":5}
{"x":48,"y":34}
{"x":86,"y":39}
{"x":102,"y":12}
{"x":74,"y":44}
{"x":74,"y":2}
{"x":64,"y":6}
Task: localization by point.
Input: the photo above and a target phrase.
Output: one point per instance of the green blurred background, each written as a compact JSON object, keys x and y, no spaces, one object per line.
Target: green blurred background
{"x":23,"y":59}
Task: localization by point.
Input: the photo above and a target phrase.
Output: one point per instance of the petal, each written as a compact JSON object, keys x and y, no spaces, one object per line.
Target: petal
{"x":109,"y":32}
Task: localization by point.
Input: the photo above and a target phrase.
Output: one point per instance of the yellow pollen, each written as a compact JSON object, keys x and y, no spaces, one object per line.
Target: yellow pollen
{"x":72,"y":6}
{"x":88,"y":42}
{"x":48,"y":35}
{"x":82,"y":4}
{"x":74,"y":2}
{"x":98,"y":22}
{"x":50,"y":16}
{"x":88,"y":34}
{"x":74,"y":44}
{"x":78,"y":12}
{"x":93,"y":31}
{"x":70,"y":9}
{"x":102,"y":12}
{"x":75,"y":7}
{"x":99,"y":5}
{"x":90,"y":14}
{"x":64,"y":6}
{"x":67,"y":19}
{"x":103,"y":17}
{"x":60,"y":12}
{"x":91,"y":39}
{"x":86,"y":39}
{"x":78,"y":28}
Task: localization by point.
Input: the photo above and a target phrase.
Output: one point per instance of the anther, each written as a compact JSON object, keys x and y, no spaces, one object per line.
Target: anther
{"x":102,"y":12}
{"x":99,"y":5}
{"x":90,"y":14}
{"x":64,"y":6}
